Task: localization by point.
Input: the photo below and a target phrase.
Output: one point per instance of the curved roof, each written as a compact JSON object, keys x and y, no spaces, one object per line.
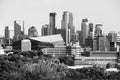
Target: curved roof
{"x":49,"y":38}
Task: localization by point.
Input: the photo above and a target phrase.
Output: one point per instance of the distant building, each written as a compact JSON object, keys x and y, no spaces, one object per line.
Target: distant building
{"x":98,"y":30}
{"x":67,"y":24}
{"x":102,"y":44}
{"x":44,"y":30}
{"x":98,"y":58}
{"x":55,"y":52}
{"x":76,"y":49}
{"x":1,"y":41}
{"x":26,"y":45}
{"x":7,"y":33}
{"x":91,"y":34}
{"x":56,"y":40}
{"x":52,"y":23}
{"x":112,"y":37}
{"x":75,"y":37}
{"x":84,"y":30}
{"x":18,"y":32}
{"x":32,"y":32}
{"x":79,"y":36}
{"x":95,"y":45}
{"x":62,"y":32}
{"x":89,"y":42}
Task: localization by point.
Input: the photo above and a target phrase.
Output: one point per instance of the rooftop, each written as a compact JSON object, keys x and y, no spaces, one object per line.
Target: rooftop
{"x":49,"y":38}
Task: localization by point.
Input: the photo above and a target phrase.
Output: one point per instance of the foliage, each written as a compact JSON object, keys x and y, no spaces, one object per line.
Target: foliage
{"x":34,"y":65}
{"x":68,"y":60}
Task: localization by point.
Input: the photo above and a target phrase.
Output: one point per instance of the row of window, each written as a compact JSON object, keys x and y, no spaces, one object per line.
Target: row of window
{"x":97,"y":59}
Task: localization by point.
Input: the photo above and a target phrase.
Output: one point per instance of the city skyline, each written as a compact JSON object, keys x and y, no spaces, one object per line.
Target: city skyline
{"x":36,"y":13}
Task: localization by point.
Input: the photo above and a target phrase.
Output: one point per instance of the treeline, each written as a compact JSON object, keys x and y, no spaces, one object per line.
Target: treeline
{"x":37,"y":66}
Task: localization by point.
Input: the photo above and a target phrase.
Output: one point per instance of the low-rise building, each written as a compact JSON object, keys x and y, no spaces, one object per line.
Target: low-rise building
{"x":98,"y":58}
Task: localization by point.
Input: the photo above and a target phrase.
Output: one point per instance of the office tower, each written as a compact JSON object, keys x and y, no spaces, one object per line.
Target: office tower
{"x":52,"y":23}
{"x":91,"y":34}
{"x":84,"y":30}
{"x":32,"y":32}
{"x":67,"y":24}
{"x":64,"y":20}
{"x":17,"y":30}
{"x":103,"y":44}
{"x":112,"y":37}
{"x":75,"y":37}
{"x":7,"y":33}
{"x":68,"y":37}
{"x":98,"y":30}
{"x":79,"y":32}
{"x":62,"y":32}
{"x":70,"y":26}
{"x":45,"y":30}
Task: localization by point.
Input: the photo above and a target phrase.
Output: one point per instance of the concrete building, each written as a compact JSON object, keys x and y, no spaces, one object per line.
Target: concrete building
{"x":52,"y":23}
{"x":91,"y":33}
{"x":84,"y":30}
{"x":98,"y":30}
{"x":32,"y":32}
{"x":7,"y":33}
{"x":76,"y":49}
{"x":112,"y":37}
{"x":55,"y":52}
{"x":25,"y":45}
{"x":79,"y":36}
{"x":75,"y":37}
{"x":89,"y":42}
{"x":102,"y":44}
{"x":67,"y":24}
{"x":98,"y":58}
{"x":18,"y":32}
{"x":62,"y":32}
{"x":45,"y":30}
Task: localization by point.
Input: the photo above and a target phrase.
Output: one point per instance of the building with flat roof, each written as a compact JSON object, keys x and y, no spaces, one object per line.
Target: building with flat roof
{"x":98,"y":58}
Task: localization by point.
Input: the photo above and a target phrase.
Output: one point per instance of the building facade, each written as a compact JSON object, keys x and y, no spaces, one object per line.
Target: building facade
{"x":98,"y":30}
{"x":84,"y":30}
{"x":32,"y":32}
{"x":52,"y":23}
{"x":18,"y":30}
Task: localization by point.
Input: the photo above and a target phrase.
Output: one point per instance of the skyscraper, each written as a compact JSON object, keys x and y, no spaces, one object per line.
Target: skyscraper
{"x":84,"y":30}
{"x":45,"y":30}
{"x":32,"y":32}
{"x":7,"y":33}
{"x":67,"y":24}
{"x":98,"y":30}
{"x":52,"y":23}
{"x":91,"y":34}
{"x":17,"y":31}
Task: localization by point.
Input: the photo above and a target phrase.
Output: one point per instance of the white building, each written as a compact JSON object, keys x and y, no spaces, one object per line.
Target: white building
{"x":57,"y":51}
{"x":76,"y":49}
{"x":25,"y":45}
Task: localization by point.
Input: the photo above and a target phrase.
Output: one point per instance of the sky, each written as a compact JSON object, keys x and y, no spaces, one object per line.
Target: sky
{"x":36,"y":13}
